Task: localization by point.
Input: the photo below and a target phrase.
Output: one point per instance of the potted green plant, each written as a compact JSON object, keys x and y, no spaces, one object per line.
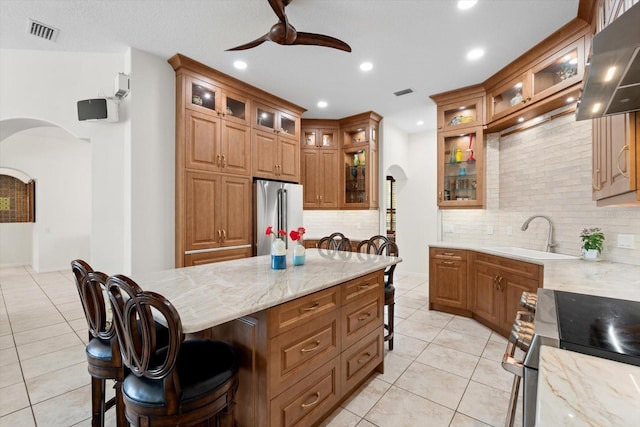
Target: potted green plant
{"x":592,"y":242}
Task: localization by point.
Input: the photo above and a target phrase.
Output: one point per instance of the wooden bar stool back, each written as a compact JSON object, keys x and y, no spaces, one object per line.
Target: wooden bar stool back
{"x":183,"y":383}
{"x":336,"y":242}
{"x":103,"y":355}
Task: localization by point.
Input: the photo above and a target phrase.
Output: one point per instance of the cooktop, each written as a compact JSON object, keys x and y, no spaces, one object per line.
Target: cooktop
{"x":599,"y":326}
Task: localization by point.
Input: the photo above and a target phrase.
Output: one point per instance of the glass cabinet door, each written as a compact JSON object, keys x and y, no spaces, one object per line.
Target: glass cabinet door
{"x":204,"y":97}
{"x":289,"y":125}
{"x":265,"y":117}
{"x":355,"y":176}
{"x":357,"y":136}
{"x":461,"y":169}
{"x":508,"y":97}
{"x":560,"y":70}
{"x":461,"y":114}
{"x":320,"y":138}
{"x":236,"y":108}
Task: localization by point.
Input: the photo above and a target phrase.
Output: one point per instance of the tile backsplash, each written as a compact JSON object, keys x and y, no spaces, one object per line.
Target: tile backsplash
{"x":545,"y":170}
{"x":356,"y":225}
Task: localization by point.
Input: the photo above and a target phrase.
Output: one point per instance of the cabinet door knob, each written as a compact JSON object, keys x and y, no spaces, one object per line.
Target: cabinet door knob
{"x":224,"y":235}
{"x":219,"y":235}
{"x":218,"y":162}
{"x":224,"y":162}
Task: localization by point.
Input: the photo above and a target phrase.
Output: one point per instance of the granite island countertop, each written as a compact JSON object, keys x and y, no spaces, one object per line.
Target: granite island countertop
{"x":211,"y":294}
{"x":575,"y":389}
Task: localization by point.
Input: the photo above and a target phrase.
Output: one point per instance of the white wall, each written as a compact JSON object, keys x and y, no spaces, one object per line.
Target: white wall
{"x":412,"y":161}
{"x":152,"y":154}
{"x":125,"y":156}
{"x":16,"y":243}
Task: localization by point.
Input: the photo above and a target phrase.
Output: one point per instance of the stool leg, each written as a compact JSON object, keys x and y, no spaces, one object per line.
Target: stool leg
{"x":121,"y":419}
{"x":390,"y":320}
{"x":97,"y":402}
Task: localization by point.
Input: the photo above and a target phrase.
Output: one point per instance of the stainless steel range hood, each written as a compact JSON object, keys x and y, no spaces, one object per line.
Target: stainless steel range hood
{"x":612,"y":83}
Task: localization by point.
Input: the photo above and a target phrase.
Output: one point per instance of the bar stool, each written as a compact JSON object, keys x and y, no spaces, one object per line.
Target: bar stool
{"x":103,"y":355}
{"x":380,"y":245}
{"x":182,"y":383}
{"x":336,"y":242}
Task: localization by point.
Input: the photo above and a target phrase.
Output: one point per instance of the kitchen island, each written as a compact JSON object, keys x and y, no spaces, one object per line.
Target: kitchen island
{"x":307,"y":336}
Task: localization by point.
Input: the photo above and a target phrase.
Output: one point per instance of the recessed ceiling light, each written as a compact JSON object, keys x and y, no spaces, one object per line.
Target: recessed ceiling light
{"x":474,"y":54}
{"x":240,"y":65}
{"x":466,"y":4}
{"x":520,"y":119}
{"x":366,"y":66}
{"x":420,"y":122}
{"x":570,"y":99}
{"x":322,"y":104}
{"x":596,"y":107}
{"x":610,"y":73}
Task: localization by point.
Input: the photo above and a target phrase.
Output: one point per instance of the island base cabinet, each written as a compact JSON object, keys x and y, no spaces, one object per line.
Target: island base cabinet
{"x":300,"y":359}
{"x":309,"y":400}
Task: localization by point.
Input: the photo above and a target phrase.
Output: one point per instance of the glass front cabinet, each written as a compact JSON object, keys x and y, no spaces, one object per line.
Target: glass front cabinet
{"x":461,"y":168}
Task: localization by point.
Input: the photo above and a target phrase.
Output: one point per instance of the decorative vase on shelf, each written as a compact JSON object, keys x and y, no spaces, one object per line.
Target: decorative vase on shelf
{"x":299,"y":254}
{"x":278,"y":254}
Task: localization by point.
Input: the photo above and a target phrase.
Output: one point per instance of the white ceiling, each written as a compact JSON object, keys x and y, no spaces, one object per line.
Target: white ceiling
{"x":418,"y":44}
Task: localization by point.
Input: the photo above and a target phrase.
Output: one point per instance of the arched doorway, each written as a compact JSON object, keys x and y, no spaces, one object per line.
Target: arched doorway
{"x":60,"y":164}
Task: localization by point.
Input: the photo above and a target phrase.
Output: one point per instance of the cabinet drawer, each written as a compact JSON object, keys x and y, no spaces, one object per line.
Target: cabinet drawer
{"x":361,"y":317}
{"x":308,"y":400}
{"x":302,"y":310}
{"x":303,"y":349}
{"x":521,"y":268}
{"x":362,"y":358}
{"x":370,"y":284}
{"x":450,"y":254}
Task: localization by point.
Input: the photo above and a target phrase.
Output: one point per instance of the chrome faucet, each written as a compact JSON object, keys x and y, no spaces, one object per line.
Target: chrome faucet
{"x":550,"y":244}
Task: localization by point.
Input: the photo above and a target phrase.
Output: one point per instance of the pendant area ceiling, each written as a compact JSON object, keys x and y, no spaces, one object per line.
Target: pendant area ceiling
{"x":417,"y":44}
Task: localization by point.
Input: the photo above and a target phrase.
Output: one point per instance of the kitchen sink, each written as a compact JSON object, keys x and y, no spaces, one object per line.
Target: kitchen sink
{"x":528,"y":253}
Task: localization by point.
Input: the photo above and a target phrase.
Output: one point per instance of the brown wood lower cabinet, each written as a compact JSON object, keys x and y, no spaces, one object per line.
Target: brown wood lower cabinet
{"x":485,"y":287}
{"x":300,"y":359}
{"x":216,"y":256}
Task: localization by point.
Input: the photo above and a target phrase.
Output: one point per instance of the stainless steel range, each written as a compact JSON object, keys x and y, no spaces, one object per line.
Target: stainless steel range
{"x":593,"y":325}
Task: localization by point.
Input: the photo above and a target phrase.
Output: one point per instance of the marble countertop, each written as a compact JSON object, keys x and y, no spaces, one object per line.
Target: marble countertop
{"x":211,"y":294}
{"x":571,"y":394}
{"x":603,"y":278}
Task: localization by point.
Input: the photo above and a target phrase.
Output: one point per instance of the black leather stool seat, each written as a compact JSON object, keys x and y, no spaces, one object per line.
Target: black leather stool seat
{"x":203,"y":366}
{"x":99,"y":349}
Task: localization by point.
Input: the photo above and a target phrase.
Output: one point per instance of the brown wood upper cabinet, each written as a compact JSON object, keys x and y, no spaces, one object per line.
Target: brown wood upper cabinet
{"x":556,"y":72}
{"x":359,"y":170}
{"x":276,"y":144}
{"x":320,"y":164}
{"x":210,"y":99}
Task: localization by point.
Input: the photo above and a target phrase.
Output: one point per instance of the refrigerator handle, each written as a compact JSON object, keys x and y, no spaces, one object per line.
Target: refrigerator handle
{"x":282,"y":213}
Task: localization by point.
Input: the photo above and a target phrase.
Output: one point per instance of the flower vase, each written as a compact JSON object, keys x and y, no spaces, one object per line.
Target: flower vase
{"x":298,"y":254}
{"x":278,"y":255}
{"x":590,"y":254}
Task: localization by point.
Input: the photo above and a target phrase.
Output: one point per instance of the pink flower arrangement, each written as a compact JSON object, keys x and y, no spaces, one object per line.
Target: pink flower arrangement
{"x":297,"y":234}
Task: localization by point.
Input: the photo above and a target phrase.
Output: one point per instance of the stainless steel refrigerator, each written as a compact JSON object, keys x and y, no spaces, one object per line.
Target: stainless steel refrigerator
{"x":276,"y":204}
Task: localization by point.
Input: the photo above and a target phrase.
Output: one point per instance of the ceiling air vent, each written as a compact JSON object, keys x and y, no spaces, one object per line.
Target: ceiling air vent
{"x":403,"y":92}
{"x":41,"y":30}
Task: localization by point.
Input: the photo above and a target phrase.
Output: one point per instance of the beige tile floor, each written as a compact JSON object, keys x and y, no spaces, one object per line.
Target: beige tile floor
{"x":444,"y":370}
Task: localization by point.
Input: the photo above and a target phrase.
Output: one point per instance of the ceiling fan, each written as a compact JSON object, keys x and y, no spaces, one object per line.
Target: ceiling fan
{"x":285,"y":34}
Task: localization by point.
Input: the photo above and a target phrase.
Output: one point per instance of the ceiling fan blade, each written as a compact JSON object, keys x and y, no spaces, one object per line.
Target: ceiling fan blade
{"x":321,"y":40}
{"x":278,"y":8}
{"x":254,"y":43}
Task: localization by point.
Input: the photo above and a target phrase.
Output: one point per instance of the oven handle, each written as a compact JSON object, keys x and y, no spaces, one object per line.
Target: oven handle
{"x":509,"y":363}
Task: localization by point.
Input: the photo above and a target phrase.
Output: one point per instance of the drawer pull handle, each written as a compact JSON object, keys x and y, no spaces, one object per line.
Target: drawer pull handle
{"x":306,"y":405}
{"x":366,"y":357}
{"x":313,"y":307}
{"x":448,"y":262}
{"x":364,"y":316}
{"x":363,"y":286}
{"x":448,"y":253}
{"x":307,"y":350}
